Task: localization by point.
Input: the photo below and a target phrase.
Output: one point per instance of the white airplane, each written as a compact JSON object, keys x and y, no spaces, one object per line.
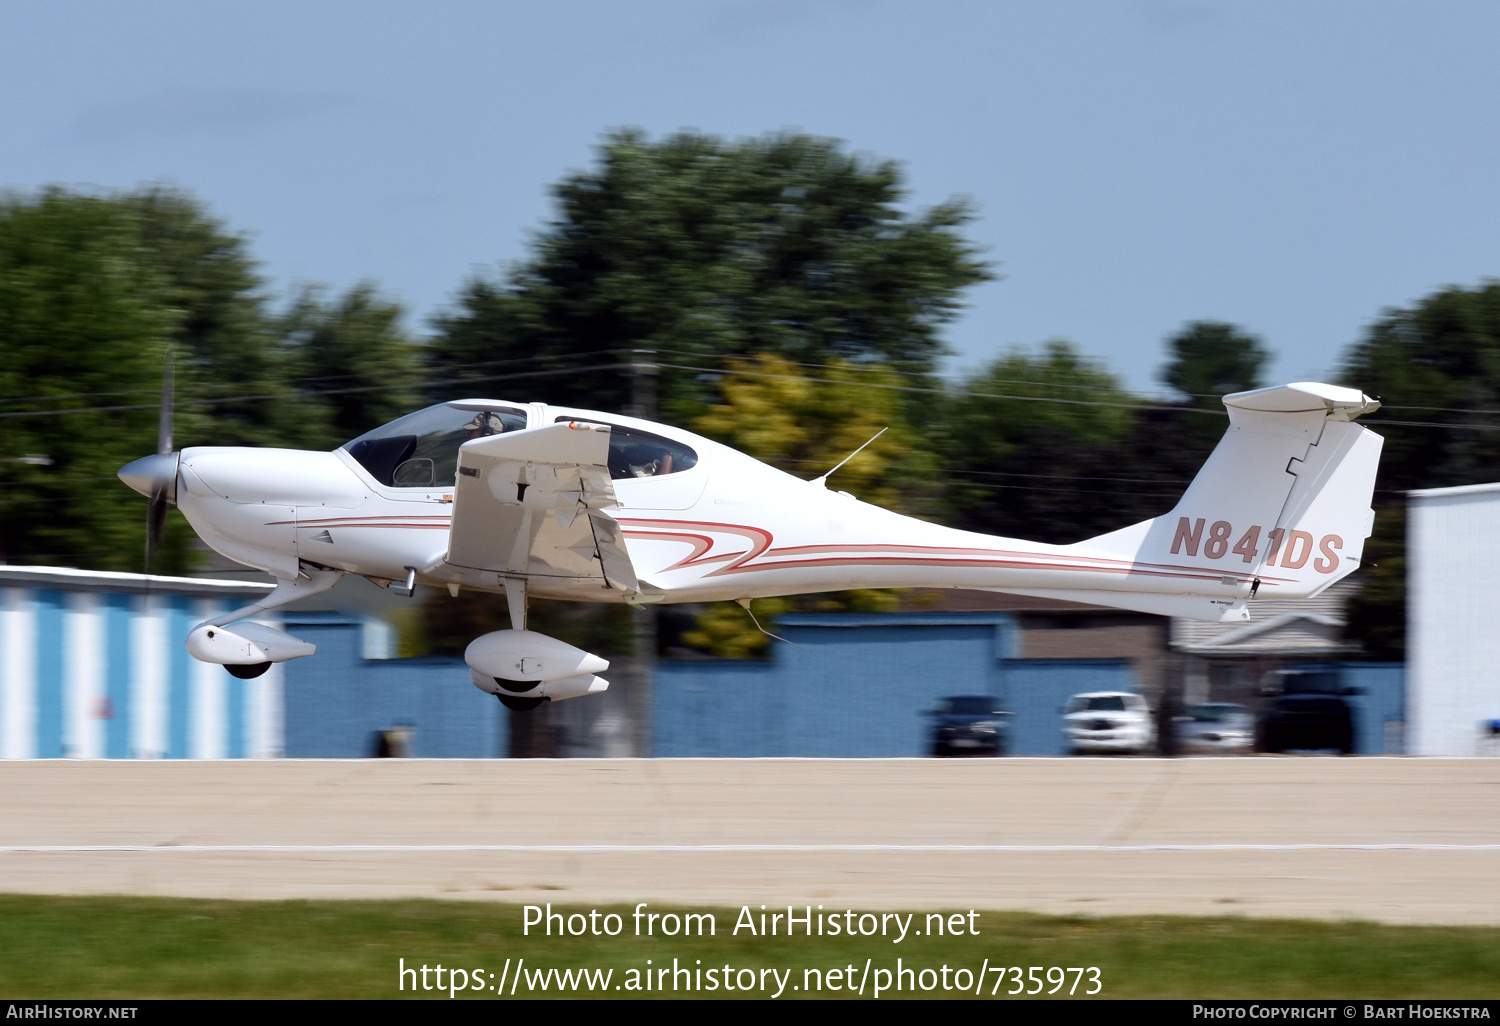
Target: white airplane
{"x":528,"y":499}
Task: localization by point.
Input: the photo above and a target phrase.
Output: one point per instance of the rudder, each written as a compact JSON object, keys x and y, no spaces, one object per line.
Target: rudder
{"x":1281,"y":509}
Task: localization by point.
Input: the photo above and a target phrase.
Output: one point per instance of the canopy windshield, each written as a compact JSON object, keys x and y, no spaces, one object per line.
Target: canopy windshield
{"x":420,"y":450}
{"x":635,"y":453}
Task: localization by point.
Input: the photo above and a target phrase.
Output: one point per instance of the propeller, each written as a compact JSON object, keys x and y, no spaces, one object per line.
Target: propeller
{"x":163,"y":488}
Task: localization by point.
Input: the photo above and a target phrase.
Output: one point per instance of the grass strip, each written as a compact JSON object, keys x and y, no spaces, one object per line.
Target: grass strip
{"x":126,"y":947}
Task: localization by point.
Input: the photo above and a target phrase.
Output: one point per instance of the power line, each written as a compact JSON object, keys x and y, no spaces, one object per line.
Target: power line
{"x":854,"y":365}
{"x":1435,"y":424}
{"x":226,"y":400}
{"x":962,"y":394}
{"x":583,"y":366}
{"x":155,"y":389}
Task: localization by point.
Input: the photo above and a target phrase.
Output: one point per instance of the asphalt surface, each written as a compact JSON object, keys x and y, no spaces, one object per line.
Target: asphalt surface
{"x":1395,"y":840}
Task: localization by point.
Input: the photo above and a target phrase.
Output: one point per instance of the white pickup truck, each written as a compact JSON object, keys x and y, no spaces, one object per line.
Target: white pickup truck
{"x":1108,"y":722}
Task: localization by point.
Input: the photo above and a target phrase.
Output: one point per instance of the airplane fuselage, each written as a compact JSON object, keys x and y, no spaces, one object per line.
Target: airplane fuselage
{"x":555,"y":502}
{"x":719,"y":525}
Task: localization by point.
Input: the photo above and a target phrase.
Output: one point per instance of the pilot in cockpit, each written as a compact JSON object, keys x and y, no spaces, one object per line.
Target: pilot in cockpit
{"x":484,"y":424}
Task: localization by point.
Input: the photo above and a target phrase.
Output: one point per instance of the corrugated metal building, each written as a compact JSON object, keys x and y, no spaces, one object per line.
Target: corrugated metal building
{"x":339,"y":702}
{"x":1453,"y":644}
{"x":92,"y":665}
{"x":856,"y":684}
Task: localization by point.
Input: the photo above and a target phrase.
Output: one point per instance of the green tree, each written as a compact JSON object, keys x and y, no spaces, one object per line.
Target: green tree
{"x":354,"y":366}
{"x":230,"y":370}
{"x":85,"y":323}
{"x":701,"y":249}
{"x":1035,"y":445}
{"x":1437,"y":367}
{"x":96,"y":293}
{"x":1207,"y":360}
{"x":805,"y":422}
{"x":1437,"y":364}
{"x":1210,"y":359}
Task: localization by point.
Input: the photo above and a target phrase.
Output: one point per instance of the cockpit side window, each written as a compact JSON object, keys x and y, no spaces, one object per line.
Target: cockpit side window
{"x":634,"y":453}
{"x":420,"y":450}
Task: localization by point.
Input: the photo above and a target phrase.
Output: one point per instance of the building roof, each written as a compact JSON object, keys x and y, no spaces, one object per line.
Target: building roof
{"x":1296,"y":627}
{"x":71,"y":579}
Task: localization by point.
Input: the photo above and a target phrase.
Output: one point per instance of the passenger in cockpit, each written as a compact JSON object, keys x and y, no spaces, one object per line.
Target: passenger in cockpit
{"x":645,"y":460}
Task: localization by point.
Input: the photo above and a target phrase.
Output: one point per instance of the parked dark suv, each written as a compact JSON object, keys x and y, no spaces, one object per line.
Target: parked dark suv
{"x":1309,"y":711}
{"x":968,"y":725}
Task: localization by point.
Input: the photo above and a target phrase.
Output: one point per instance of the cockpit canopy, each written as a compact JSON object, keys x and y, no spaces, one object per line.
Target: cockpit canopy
{"x":420,"y":450}
{"x":634,"y":453}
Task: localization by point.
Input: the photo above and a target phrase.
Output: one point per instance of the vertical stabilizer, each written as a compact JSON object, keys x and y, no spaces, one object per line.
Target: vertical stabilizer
{"x":1280,"y":510}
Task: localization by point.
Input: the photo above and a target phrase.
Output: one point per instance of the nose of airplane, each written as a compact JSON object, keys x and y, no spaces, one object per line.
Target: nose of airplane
{"x":153,"y":475}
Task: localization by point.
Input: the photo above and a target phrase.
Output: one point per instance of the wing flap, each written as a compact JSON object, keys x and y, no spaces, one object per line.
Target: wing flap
{"x":613,"y":556}
{"x":517,"y":506}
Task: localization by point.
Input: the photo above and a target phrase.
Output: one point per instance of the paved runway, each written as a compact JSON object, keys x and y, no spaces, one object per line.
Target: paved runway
{"x":1397,"y":840}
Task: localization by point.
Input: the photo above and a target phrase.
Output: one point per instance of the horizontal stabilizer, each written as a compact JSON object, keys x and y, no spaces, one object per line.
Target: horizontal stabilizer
{"x":1304,"y":397}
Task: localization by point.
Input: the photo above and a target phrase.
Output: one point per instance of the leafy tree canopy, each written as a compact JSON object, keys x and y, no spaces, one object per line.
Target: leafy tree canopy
{"x":85,"y":324}
{"x":222,"y":346}
{"x":96,"y":294}
{"x":1210,"y":359}
{"x":701,"y":249}
{"x":354,"y":366}
{"x":1031,"y":446}
{"x":1437,"y":365}
{"x":806,"y":423}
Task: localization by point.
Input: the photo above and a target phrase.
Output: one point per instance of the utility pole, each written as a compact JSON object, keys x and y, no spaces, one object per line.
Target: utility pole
{"x":642,"y":384}
{"x":643,"y":372}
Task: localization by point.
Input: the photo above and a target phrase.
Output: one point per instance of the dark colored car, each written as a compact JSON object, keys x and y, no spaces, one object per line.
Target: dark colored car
{"x":1310,"y":713}
{"x":968,"y":725}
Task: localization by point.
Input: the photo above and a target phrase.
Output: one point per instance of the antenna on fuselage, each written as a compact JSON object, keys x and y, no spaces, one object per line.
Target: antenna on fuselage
{"x":822,"y":482}
{"x":744,"y":604}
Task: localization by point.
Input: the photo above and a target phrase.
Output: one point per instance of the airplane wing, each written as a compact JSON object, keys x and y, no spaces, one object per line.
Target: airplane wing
{"x":529,"y":503}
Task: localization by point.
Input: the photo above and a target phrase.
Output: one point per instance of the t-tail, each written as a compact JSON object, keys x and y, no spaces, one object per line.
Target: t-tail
{"x":1280,"y":510}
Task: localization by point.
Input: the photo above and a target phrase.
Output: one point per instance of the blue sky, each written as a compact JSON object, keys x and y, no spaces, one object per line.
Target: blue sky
{"x":1290,"y":167}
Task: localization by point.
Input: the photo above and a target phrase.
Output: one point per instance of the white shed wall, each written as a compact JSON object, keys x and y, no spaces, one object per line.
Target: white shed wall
{"x":1453,"y":618}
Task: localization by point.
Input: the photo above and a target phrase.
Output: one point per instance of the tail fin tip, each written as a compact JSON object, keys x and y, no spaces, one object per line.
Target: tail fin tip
{"x":1304,"y":397}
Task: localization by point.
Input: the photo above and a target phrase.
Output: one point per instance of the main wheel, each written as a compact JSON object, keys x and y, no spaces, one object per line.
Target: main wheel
{"x":247,"y":671}
{"x":519,"y":704}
